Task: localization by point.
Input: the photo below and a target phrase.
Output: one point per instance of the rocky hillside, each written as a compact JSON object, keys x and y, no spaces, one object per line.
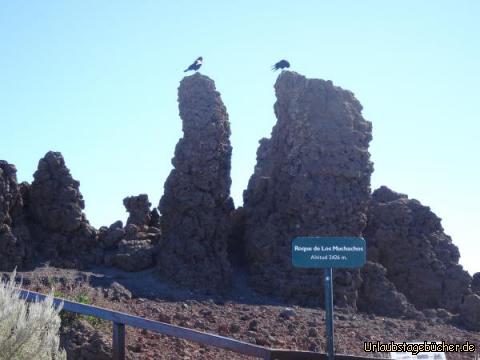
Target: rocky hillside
{"x":240,"y":313}
{"x":312,"y":177}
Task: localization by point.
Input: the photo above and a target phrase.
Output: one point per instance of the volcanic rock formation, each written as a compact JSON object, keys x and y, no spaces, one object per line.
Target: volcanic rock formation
{"x":14,"y":235}
{"x":139,"y":209}
{"x":312,"y":178}
{"x":470,"y":312}
{"x":134,"y":247}
{"x":378,"y":295}
{"x":55,"y":207}
{"x":476,"y":283}
{"x":196,"y":204}
{"x":408,"y":240}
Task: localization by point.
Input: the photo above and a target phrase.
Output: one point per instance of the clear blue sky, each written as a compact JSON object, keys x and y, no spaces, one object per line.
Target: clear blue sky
{"x":97,"y":80}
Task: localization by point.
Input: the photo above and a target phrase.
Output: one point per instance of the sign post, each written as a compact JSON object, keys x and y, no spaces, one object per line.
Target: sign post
{"x":328,"y":281}
{"x":328,"y":253}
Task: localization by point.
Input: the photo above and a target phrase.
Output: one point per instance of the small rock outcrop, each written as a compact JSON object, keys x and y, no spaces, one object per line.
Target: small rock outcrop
{"x":312,"y":178}
{"x":55,"y":207}
{"x":476,"y":283}
{"x":470,"y":312}
{"x":14,"y":235}
{"x":134,"y":247}
{"x":196,"y":204}
{"x":378,"y":295}
{"x":82,"y":341}
{"x":407,"y":238}
{"x":139,"y":209}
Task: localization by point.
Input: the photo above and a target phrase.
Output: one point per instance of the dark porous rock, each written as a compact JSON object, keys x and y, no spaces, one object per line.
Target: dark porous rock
{"x":117,"y":292}
{"x":196,"y":204}
{"x":470,"y":312}
{"x":132,"y":231}
{"x":476,"y":283}
{"x":407,"y":238}
{"x":9,"y":192}
{"x":55,"y":205}
{"x":134,"y":255}
{"x":133,"y":247}
{"x":236,"y":244}
{"x":12,"y":249}
{"x":288,"y":313}
{"x":116,"y":225}
{"x":443,"y":314}
{"x":139,"y":209}
{"x":155,"y":218}
{"x":82,"y":341}
{"x":430,"y":313}
{"x":14,"y":234}
{"x":110,"y":237}
{"x":312,"y":178}
{"x":378,"y":295}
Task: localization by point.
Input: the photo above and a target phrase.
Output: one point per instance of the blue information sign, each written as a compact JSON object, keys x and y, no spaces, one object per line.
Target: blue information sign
{"x":328,"y":252}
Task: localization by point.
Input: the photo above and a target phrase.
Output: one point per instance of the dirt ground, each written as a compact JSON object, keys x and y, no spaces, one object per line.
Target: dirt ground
{"x":241,"y":314}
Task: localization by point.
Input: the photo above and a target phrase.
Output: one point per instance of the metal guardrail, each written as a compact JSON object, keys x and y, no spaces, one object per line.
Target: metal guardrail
{"x":120,"y":320}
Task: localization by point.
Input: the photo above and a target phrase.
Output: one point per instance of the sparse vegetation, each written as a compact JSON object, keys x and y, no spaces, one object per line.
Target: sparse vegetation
{"x":27,"y":331}
{"x":68,"y":318}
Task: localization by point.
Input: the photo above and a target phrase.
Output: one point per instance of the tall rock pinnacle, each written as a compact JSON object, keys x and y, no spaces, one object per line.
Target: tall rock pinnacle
{"x":196,"y":204}
{"x":312,"y":178}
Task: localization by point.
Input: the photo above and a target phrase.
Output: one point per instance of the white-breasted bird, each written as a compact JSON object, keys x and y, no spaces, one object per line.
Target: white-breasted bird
{"x":196,"y":65}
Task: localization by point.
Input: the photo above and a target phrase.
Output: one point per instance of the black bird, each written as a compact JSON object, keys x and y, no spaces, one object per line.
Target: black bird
{"x":196,"y":65}
{"x":282,"y":64}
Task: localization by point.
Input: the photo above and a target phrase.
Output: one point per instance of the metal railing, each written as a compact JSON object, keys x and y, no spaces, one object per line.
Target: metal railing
{"x":120,"y":320}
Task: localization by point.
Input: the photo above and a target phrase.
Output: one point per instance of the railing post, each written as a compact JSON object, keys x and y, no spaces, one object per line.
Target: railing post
{"x":118,"y":345}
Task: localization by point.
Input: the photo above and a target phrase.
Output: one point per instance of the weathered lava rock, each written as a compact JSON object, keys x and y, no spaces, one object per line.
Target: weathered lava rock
{"x":14,"y":235}
{"x":9,"y":192}
{"x":312,"y":178}
{"x":407,"y":238}
{"x":476,"y":283}
{"x":470,"y":312}
{"x":155,"y":218}
{"x":133,"y":255}
{"x":109,"y":237}
{"x":196,"y":204}
{"x":378,"y":295}
{"x":82,"y":341}
{"x":236,"y":245}
{"x":55,"y":205}
{"x":139,"y":209}
{"x":133,"y":247}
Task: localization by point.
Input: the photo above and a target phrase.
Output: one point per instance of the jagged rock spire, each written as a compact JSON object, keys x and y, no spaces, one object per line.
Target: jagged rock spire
{"x":196,"y":204}
{"x":312,"y":178}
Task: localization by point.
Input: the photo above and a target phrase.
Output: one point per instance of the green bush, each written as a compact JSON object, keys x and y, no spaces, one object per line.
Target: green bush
{"x":28,"y":330}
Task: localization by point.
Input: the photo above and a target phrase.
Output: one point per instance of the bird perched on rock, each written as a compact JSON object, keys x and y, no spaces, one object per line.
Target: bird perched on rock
{"x":196,"y":65}
{"x":282,"y":64}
